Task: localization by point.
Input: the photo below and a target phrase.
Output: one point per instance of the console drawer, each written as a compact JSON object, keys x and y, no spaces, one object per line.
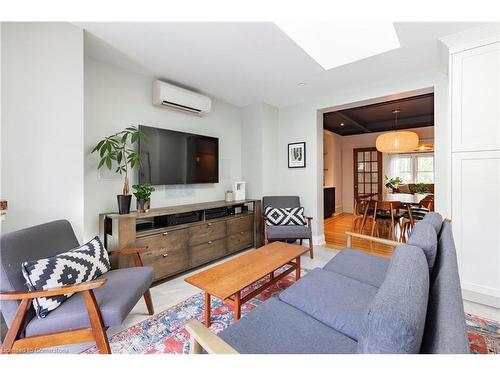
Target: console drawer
{"x":207,"y":251}
{"x":240,"y":224}
{"x":210,"y":231}
{"x":167,"y":253}
{"x":239,"y":241}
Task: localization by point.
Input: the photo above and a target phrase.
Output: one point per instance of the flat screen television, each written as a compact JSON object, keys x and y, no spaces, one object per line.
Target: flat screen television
{"x":173,"y":158}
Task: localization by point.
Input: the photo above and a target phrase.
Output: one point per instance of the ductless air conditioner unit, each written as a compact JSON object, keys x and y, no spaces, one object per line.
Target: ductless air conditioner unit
{"x":170,"y":96}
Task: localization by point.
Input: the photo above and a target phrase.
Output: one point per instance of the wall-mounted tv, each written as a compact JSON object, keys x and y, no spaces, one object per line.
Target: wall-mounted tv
{"x":174,"y":158}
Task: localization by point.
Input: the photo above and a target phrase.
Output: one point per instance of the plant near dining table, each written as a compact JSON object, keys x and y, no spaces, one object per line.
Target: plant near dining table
{"x":393,"y":182}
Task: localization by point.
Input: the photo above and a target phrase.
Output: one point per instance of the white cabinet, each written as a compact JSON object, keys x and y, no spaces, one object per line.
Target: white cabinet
{"x":476,"y":99}
{"x":475,"y":134}
{"x":476,"y":223}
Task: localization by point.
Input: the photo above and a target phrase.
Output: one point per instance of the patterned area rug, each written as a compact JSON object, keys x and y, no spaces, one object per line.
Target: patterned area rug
{"x":165,"y":332}
{"x":484,"y":335}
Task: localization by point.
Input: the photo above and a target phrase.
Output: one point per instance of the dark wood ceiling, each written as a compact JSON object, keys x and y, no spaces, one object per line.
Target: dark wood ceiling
{"x":416,"y":112}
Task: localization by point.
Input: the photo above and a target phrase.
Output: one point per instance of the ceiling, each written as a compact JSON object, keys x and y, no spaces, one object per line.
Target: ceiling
{"x":247,"y":62}
{"x":416,"y":112}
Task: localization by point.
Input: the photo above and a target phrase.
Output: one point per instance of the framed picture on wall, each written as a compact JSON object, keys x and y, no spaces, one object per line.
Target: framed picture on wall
{"x":297,"y":155}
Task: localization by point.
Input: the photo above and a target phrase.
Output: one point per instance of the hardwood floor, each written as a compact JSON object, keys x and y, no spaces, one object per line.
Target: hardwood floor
{"x":335,"y":237}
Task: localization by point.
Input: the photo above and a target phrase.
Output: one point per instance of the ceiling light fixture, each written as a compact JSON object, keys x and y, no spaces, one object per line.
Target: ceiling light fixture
{"x":301,"y":84}
{"x":342,"y":124}
{"x":334,"y":44}
{"x":397,"y":141}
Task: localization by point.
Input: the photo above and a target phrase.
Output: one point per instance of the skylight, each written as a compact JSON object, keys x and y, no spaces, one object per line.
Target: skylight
{"x":334,"y":44}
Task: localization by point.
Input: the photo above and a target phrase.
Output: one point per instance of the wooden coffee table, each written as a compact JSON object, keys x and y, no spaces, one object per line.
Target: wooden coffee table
{"x":227,"y":280}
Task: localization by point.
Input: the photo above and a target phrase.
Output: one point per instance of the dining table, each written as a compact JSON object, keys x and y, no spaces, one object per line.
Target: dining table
{"x":400,"y":199}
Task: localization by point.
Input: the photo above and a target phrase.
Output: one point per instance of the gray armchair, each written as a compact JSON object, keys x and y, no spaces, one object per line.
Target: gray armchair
{"x":287,"y":233}
{"x":83,"y":317}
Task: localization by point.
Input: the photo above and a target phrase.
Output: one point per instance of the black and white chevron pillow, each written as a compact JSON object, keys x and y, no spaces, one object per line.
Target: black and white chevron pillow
{"x":84,"y":263}
{"x":285,"y":216}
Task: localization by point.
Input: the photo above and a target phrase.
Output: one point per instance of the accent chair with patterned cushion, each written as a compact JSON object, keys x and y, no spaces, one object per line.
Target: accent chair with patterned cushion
{"x":84,"y":316}
{"x":290,"y":232}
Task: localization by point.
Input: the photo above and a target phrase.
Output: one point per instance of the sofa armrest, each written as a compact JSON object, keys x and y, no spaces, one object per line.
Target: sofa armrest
{"x":89,"y":285}
{"x":203,"y":338}
{"x":384,"y":241}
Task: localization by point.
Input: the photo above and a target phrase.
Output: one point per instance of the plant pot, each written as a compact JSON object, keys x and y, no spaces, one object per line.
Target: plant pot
{"x":143,"y":205}
{"x":124,"y":203}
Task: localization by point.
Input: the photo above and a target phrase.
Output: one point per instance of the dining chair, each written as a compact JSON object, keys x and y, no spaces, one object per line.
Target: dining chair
{"x":386,"y":213}
{"x":414,"y":214}
{"x":361,"y":208}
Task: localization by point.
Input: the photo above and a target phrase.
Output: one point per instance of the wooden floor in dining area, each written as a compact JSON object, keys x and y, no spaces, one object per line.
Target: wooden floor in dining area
{"x":335,"y":237}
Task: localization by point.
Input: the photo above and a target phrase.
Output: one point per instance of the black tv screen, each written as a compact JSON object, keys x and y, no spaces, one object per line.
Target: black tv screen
{"x":173,"y":158}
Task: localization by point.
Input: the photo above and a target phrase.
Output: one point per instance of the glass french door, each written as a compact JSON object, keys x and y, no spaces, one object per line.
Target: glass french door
{"x":367,"y":171}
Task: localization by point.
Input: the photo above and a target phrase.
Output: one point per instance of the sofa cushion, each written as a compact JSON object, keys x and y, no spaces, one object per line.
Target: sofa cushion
{"x":278,"y":328}
{"x":288,"y":232}
{"x":445,"y":328}
{"x":84,"y":263}
{"x":335,"y":300}
{"x":424,"y":236}
{"x":115,"y":298}
{"x":395,"y":319}
{"x":435,"y":219}
{"x":367,"y":268}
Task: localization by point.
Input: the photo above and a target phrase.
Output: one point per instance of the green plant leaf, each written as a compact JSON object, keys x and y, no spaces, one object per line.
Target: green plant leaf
{"x":98,"y":146}
{"x":108,"y":162}
{"x":103,"y":149}
{"x":135,"y":137}
{"x":101,"y":163}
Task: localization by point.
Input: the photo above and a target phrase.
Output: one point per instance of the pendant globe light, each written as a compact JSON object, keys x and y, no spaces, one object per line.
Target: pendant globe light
{"x":398,"y":140}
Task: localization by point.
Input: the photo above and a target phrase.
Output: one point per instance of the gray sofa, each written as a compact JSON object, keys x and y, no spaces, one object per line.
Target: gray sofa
{"x":361,"y":303}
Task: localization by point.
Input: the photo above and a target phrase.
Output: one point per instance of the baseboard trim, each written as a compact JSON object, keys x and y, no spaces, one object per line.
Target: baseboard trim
{"x":484,"y":299}
{"x":319,"y":240}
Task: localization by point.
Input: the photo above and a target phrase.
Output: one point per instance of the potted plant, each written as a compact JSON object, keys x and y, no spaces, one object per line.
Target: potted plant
{"x":116,"y":151}
{"x":143,"y":195}
{"x":392,"y":183}
{"x":420,"y":188}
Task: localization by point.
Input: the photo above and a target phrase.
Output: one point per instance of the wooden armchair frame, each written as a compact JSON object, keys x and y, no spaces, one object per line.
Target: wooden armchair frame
{"x":384,"y":241}
{"x":202,"y":338}
{"x":309,"y":225}
{"x":15,"y":343}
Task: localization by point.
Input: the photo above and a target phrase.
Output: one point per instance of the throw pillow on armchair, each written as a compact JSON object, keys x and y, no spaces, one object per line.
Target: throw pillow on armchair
{"x":84,"y":263}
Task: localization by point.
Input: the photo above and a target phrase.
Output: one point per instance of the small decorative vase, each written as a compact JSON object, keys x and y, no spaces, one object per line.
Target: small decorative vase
{"x":143,"y":205}
{"x":124,"y":203}
{"x":229,"y":196}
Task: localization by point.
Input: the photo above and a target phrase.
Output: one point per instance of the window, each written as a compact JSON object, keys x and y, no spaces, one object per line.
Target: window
{"x":403,"y":169}
{"x":425,"y":169}
{"x":412,"y":168}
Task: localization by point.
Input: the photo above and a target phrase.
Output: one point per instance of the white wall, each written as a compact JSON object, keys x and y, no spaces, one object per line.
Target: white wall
{"x":258,"y":148}
{"x":42,"y":124}
{"x":252,"y":149}
{"x":116,"y":98}
{"x":303,"y":122}
{"x":349,"y":143}
{"x":332,"y":163}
